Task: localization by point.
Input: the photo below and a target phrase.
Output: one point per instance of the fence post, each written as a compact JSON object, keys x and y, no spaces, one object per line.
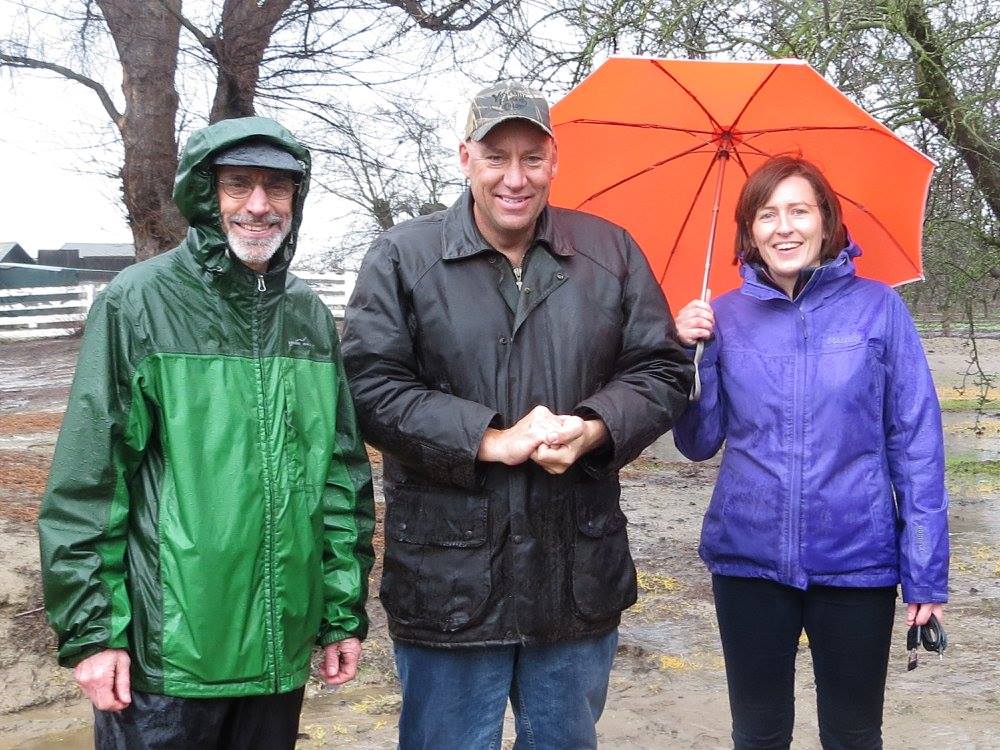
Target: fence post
{"x":88,"y":298}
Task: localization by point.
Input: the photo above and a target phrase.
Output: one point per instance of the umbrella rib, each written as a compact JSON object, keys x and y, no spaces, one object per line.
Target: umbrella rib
{"x":687,"y":217}
{"x":695,"y":99}
{"x":863,"y":209}
{"x":792,"y":129}
{"x":643,"y":125}
{"x":752,"y":96}
{"x":746,"y":142}
{"x":640,"y":173}
{"x":739,"y":160}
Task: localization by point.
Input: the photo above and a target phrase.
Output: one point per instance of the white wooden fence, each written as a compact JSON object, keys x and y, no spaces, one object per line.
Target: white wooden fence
{"x":51,"y":311}
{"x":333,"y":288}
{"x":43,"y":312}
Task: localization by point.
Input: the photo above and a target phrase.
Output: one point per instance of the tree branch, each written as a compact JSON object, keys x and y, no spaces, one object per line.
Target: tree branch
{"x":210,"y":43}
{"x":18,"y":61}
{"x":440,"y":21}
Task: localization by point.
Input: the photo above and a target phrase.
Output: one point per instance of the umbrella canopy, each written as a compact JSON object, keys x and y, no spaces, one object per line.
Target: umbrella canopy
{"x":662,"y":148}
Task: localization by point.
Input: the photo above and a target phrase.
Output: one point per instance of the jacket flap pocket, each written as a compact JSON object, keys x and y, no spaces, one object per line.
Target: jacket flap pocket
{"x":598,"y":512}
{"x":442,"y":516}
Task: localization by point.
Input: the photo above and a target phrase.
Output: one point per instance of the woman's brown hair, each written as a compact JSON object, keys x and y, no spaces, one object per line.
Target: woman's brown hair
{"x":758,"y":189}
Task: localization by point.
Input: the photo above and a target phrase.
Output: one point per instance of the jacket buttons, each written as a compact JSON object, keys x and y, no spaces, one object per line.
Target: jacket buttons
{"x":560,"y":276}
{"x":402,"y":527}
{"x":503,"y":340}
{"x":516,"y":538}
{"x":527,"y":290}
{"x":468,"y":533}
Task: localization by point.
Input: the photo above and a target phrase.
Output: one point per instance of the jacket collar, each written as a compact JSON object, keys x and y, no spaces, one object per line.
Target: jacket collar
{"x":462,"y":239}
{"x":822,"y":282}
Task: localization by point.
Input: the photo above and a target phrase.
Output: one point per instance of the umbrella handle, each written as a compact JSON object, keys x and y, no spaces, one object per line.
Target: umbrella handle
{"x":696,"y":388}
{"x":699,"y":350}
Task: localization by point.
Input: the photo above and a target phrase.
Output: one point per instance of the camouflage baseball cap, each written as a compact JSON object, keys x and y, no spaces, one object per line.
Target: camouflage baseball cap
{"x":508,"y":100}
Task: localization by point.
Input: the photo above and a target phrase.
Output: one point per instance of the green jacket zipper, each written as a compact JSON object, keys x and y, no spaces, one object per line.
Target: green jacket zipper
{"x":268,"y":486}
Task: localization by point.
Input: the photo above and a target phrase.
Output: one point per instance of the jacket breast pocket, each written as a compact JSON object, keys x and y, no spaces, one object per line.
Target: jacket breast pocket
{"x":437,"y":557}
{"x":604,"y":581}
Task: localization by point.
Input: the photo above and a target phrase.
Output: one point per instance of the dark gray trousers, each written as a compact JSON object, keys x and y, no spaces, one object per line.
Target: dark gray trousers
{"x":162,"y":722}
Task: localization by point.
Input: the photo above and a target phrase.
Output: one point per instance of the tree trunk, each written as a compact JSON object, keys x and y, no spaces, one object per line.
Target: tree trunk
{"x":246,"y":32}
{"x":147,"y":36}
{"x":940,"y":104}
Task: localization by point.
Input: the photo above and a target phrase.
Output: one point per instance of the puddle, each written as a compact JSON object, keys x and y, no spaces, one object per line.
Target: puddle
{"x":56,"y":727}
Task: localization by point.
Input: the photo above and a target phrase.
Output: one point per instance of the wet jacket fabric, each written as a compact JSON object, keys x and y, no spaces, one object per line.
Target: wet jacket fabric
{"x":481,"y":553}
{"x":833,"y":467}
{"x":210,"y":506}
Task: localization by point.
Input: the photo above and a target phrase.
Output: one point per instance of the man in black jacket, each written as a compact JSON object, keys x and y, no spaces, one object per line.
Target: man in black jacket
{"x":508,"y":358}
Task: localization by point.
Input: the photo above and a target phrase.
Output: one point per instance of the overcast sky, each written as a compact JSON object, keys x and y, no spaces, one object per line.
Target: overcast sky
{"x":58,"y":146}
{"x":47,"y":196}
{"x":54,"y":148}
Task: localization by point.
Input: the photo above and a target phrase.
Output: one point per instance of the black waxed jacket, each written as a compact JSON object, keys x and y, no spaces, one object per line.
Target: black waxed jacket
{"x":480,"y":553}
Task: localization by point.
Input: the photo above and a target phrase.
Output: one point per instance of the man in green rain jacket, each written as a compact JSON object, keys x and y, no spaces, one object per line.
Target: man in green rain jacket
{"x":209,"y":515}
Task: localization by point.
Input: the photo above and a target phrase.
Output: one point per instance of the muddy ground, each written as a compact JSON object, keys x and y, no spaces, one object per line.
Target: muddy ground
{"x":668,"y":687}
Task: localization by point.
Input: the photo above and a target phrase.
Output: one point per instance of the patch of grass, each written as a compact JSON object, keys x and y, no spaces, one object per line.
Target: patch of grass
{"x":656,"y":583}
{"x":643,"y":465}
{"x":969,"y":404}
{"x":670,"y":662}
{"x":967,"y":467}
{"x":379,"y":704}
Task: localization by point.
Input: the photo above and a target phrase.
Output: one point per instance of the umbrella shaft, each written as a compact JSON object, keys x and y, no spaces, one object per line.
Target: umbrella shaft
{"x":722,"y":157}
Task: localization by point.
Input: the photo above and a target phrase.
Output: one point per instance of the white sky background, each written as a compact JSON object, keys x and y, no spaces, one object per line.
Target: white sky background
{"x":53,"y":192}
{"x":49,"y":193}
{"x":57,"y":148}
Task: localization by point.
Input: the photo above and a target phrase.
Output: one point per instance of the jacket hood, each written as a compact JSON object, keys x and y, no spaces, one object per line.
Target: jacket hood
{"x":194,"y":187}
{"x":756,"y":285}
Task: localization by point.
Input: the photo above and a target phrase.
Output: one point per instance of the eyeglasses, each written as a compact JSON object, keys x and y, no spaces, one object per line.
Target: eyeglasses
{"x":276,"y":188}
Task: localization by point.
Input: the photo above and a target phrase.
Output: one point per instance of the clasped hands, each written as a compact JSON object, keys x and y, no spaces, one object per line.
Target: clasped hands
{"x":553,"y":441}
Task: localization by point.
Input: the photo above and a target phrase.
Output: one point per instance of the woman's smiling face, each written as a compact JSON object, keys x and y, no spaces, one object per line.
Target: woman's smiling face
{"x":788,"y":231}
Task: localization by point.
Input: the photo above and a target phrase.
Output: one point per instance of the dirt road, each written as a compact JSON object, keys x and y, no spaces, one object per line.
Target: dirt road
{"x":668,"y":687}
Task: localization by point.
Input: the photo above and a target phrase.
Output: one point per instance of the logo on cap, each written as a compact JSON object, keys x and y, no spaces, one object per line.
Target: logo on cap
{"x":504,"y":101}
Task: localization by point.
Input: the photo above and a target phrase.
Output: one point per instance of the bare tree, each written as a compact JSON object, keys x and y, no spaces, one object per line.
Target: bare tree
{"x":146,"y":41}
{"x":390,"y":163}
{"x":281,"y":50}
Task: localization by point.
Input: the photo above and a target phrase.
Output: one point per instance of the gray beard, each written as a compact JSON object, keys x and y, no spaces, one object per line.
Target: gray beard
{"x":257,"y":251}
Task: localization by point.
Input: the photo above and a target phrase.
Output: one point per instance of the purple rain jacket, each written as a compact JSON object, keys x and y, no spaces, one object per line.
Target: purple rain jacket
{"x":833,"y":469}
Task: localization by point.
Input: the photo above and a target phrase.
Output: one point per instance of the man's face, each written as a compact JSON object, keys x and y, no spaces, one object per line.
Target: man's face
{"x":509,"y":172}
{"x":256,"y":209}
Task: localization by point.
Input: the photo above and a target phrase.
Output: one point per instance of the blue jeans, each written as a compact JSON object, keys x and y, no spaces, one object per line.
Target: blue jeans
{"x":455,"y":698}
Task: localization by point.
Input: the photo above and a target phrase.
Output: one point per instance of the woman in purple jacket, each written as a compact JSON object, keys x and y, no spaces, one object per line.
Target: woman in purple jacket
{"x":831,"y":488}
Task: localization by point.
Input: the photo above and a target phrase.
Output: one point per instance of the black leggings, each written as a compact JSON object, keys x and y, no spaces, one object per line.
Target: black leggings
{"x":849,"y":632}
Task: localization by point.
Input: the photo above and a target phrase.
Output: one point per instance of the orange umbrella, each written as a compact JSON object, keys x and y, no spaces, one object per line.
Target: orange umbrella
{"x":662,"y":147}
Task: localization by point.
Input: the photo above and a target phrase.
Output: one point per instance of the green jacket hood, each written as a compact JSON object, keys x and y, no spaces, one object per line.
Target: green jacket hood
{"x":194,"y":187}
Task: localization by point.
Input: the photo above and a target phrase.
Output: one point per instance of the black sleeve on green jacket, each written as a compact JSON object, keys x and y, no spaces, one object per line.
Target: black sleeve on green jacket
{"x":84,"y":514}
{"x":349,"y":519}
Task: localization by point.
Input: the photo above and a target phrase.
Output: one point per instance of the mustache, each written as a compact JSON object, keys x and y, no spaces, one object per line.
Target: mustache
{"x":271,"y":218}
